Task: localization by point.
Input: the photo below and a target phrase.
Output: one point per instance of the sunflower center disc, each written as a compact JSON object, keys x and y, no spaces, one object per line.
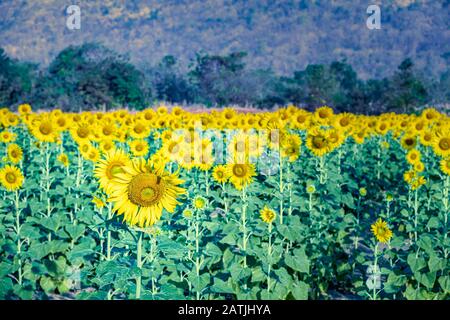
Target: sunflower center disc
{"x":318,"y":142}
{"x":45,"y":128}
{"x":444,"y":144}
{"x":83,"y":132}
{"x":10,"y":177}
{"x":239,"y":170}
{"x":145,"y":189}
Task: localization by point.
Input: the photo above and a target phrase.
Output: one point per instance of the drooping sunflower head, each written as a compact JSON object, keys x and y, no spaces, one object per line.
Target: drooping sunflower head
{"x":381,"y":231}
{"x":267,"y":214}
{"x":11,"y":178}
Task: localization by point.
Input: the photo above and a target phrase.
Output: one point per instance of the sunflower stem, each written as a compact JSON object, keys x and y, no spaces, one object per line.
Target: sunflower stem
{"x":416,"y":212}
{"x":139,"y":265}
{"x":108,"y":234}
{"x":19,"y":242}
{"x":375,"y":272}
{"x":269,"y":258}
{"x":281,"y":187}
{"x":244,"y":226}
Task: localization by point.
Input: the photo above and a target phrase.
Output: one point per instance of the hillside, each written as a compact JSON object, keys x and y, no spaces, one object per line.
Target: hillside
{"x":284,"y":35}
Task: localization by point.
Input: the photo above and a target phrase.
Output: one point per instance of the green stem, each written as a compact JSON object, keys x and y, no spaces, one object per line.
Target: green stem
{"x":375,"y":271}
{"x":139,"y":265}
{"x":244,"y":226}
{"x":19,"y":242}
{"x":416,"y":213}
{"x":269,"y":257}
{"x":108,"y":235}
{"x":281,"y":188}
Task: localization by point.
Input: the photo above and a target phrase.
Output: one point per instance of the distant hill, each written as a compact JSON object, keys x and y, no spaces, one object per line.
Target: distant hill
{"x":284,"y":35}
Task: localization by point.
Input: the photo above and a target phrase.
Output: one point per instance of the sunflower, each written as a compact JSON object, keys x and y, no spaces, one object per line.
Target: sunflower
{"x":219,"y":174}
{"x":107,"y":130}
{"x":24,"y":109}
{"x":6,"y":136}
{"x":323,"y":115}
{"x":426,"y":137}
{"x":14,"y":153}
{"x":241,"y":174}
{"x":139,"y":130}
{"x":441,"y":143}
{"x":63,"y":159}
{"x":44,"y":129}
{"x":187,"y":213}
{"x":417,"y":182}
{"x":409,"y":176}
{"x":317,"y":142}
{"x":408,"y":141}
{"x":228,"y":114}
{"x":419,"y":166}
{"x":413,"y":156}
{"x":92,"y":155}
{"x":107,"y":168}
{"x":11,"y":178}
{"x":81,"y":132}
{"x":310,"y":189}
{"x":139,"y":147}
{"x":445,"y":166}
{"x":267,"y":215}
{"x":381,"y":231}
{"x":107,"y":145}
{"x":143,"y":191}
{"x":290,"y":147}
{"x":62,"y":122}
{"x":199,"y":202}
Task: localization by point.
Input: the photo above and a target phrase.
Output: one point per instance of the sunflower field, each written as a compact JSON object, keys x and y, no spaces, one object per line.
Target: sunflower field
{"x":166,"y":203}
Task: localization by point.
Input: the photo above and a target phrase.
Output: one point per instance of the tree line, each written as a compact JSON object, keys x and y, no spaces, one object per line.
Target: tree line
{"x":91,"y":76}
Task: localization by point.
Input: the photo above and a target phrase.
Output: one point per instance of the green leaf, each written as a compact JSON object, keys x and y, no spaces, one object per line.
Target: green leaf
{"x":6,"y":286}
{"x":416,"y":264}
{"x":435,"y":263}
{"x":300,"y":291}
{"x":75,"y":231}
{"x":426,"y":244}
{"x":213,"y":250}
{"x":172,"y":249}
{"x":444,"y":282}
{"x":221,"y":286}
{"x":47,"y":284}
{"x":427,"y":279}
{"x":299,"y":261}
